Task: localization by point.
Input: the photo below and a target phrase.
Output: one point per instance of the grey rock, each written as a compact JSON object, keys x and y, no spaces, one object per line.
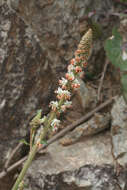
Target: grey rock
{"x":119,"y":130}
{"x":42,"y":4}
{"x":87,"y":95}
{"x":14,"y":4}
{"x":98,"y":123}
{"x":88,"y":177}
{"x":62,"y":161}
{"x":23,"y":82}
{"x":58,"y":25}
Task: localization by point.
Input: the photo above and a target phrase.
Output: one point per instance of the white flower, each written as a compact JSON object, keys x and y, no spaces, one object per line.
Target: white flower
{"x":76,"y":81}
{"x":63,"y":82}
{"x":55,"y":123}
{"x":54,"y":128}
{"x":53,"y":105}
{"x":73,"y":62}
{"x":124,"y":55}
{"x":63,"y":93}
{"x":59,"y":91}
{"x":75,"y":85}
{"x":63,"y":108}
{"x":66,"y":92}
{"x":70,"y":68}
{"x":68,"y":103}
{"x":111,"y":37}
{"x":70,"y":76}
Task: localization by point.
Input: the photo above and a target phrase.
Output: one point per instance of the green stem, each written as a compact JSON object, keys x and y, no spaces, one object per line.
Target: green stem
{"x":26,"y":166}
{"x":34,"y":149}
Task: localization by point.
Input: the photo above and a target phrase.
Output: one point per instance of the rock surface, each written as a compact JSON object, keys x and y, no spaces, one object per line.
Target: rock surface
{"x":119,"y":131}
{"x":60,"y":24}
{"x":86,"y":178}
{"x":87,"y":164}
{"x":24,"y":83}
{"x":84,"y":165}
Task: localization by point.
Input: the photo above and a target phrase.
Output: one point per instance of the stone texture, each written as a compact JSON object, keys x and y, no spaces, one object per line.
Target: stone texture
{"x":24,"y":78}
{"x":98,"y":123}
{"x":119,"y":131}
{"x":60,"y":24}
{"x":87,"y":96}
{"x":86,"y":178}
{"x":58,"y":159}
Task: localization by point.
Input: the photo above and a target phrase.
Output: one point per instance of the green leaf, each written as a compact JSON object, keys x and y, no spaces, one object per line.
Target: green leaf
{"x":113,"y":48}
{"x":24,"y":142}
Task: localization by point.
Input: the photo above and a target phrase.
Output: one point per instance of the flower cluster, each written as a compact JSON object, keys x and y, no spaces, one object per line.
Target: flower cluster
{"x":54,"y":124}
{"x":53,"y":105}
{"x":63,"y":83}
{"x":66,"y":105}
{"x":63,"y":94}
{"x":75,"y":84}
{"x":70,"y":82}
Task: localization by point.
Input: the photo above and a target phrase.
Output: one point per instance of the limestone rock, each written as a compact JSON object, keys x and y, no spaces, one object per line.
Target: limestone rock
{"x":84,"y":165}
{"x":87,"y":96}
{"x":24,"y":81}
{"x":119,"y":131}
{"x":86,"y":178}
{"x":60,"y":25}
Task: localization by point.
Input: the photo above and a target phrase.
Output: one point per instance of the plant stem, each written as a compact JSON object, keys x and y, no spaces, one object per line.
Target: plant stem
{"x":26,"y":166}
{"x":34,"y":151}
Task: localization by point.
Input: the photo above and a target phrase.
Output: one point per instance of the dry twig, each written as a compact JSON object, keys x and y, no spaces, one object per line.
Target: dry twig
{"x":101,"y":80}
{"x":12,"y":155}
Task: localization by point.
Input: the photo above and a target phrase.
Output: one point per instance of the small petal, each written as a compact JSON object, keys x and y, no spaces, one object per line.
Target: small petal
{"x":124,"y":55}
{"x":55,"y":123}
{"x":70,"y":76}
{"x":63,"y":108}
{"x":68,"y":104}
{"x":70,"y":68}
{"x":72,"y":62}
{"x":111,"y":37}
{"x":75,"y":85}
{"x":78,"y":69}
{"x":53,"y":105}
{"x":63,"y":82}
{"x":77,"y":59}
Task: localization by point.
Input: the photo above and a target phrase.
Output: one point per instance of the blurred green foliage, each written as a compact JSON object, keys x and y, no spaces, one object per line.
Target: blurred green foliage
{"x":115,"y":52}
{"x":113,"y":47}
{"x":123,"y":0}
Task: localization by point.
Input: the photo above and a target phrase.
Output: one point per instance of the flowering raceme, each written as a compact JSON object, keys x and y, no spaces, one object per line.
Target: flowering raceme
{"x":68,"y":85}
{"x":70,"y":82}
